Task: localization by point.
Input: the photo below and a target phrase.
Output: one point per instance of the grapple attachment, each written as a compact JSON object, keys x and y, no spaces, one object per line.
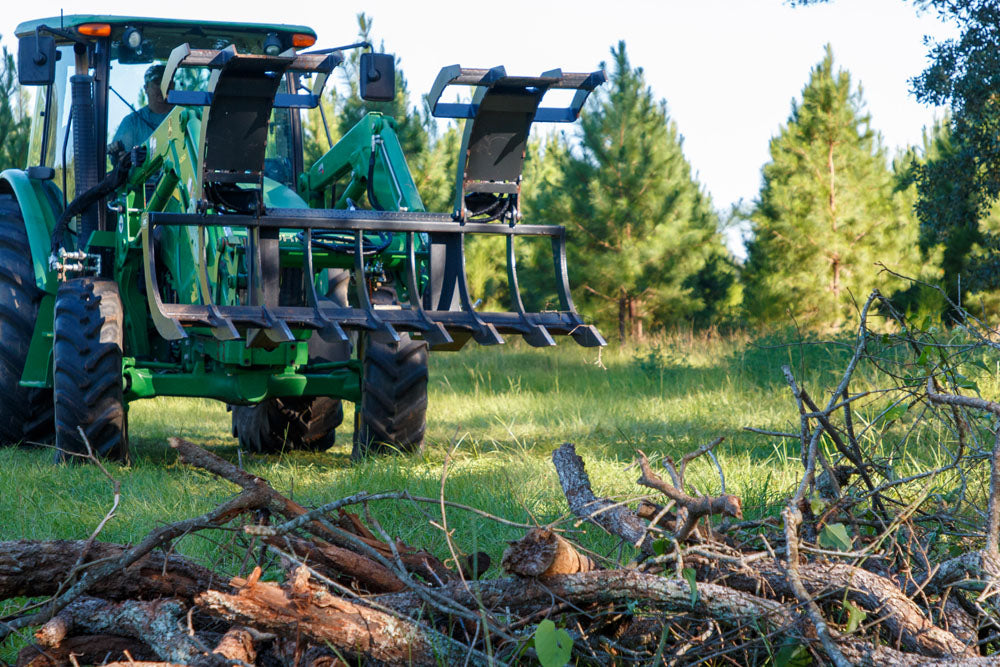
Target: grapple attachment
{"x":438,"y":304}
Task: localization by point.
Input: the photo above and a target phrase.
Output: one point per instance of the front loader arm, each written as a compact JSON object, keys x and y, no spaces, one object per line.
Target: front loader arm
{"x":370,"y":156}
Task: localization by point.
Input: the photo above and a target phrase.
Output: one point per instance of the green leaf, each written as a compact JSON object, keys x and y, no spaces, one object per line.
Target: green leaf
{"x":834,"y":536}
{"x":792,"y":655}
{"x":855,"y":616}
{"x":895,"y":412}
{"x":660,"y":546}
{"x":552,"y":645}
{"x":922,"y":359}
{"x":885,"y":339}
{"x":689,"y":575}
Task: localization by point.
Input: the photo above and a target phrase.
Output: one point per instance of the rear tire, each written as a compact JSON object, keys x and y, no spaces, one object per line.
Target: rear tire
{"x":392,"y":415}
{"x":25,"y":414}
{"x":87,"y":370}
{"x":282,"y":424}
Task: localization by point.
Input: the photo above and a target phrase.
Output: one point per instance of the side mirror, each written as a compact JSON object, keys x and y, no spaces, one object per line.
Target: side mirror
{"x":378,"y":77}
{"x":36,"y":60}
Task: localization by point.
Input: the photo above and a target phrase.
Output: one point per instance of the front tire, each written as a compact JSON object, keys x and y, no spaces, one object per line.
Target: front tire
{"x":87,"y":370}
{"x":392,"y":415}
{"x":25,"y":414}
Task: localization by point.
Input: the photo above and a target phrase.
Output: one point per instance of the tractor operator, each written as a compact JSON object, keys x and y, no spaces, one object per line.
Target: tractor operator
{"x":136,"y":127}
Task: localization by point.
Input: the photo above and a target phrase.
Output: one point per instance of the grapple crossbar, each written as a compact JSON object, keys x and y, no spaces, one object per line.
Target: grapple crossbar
{"x":446,"y":309}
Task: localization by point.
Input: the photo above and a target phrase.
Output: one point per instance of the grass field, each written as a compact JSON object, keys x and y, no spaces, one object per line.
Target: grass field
{"x":504,"y":409}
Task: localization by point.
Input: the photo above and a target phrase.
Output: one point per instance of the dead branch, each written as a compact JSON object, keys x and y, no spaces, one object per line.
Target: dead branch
{"x":611,"y":516}
{"x":693,"y":508}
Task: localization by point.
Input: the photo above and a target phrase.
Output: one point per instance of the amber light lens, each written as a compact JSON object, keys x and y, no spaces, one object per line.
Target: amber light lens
{"x":300,"y":40}
{"x":95,"y":29}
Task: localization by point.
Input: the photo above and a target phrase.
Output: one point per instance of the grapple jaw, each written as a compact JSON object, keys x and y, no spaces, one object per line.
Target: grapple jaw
{"x":438,"y":304}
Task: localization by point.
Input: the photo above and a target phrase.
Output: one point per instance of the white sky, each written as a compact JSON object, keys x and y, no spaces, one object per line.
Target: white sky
{"x":727,"y":68}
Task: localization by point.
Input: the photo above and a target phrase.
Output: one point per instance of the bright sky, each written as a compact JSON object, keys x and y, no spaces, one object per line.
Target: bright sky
{"x":727,"y":68}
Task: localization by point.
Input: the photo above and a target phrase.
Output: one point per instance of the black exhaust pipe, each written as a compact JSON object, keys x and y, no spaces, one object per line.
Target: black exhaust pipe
{"x":85,"y":165}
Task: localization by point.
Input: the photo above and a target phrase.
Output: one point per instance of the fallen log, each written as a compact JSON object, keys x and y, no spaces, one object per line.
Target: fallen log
{"x":902,"y":619}
{"x":156,"y":623}
{"x":524,"y":596}
{"x":86,"y":649}
{"x":33,"y":568}
{"x":337,"y":562}
{"x":323,"y":617}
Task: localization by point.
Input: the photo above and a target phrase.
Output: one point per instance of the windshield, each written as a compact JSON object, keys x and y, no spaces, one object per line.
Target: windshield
{"x":131,"y":119}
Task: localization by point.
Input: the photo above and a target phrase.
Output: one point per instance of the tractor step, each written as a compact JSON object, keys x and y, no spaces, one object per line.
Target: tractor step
{"x":446,"y":310}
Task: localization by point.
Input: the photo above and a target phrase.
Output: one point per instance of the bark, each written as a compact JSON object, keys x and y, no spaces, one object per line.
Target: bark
{"x":237,"y":644}
{"x":902,"y":619}
{"x":543,"y":553}
{"x":612,"y":517}
{"x":155,"y":623}
{"x":522,"y":596}
{"x":322,"y":617}
{"x":87,"y":649}
{"x":30,"y":568}
{"x":336,"y":562}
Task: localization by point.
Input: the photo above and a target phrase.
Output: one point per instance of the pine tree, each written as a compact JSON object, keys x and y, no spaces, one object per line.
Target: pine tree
{"x":827,"y":211}
{"x":643,"y":232}
{"x":320,"y":129}
{"x":411,"y":122}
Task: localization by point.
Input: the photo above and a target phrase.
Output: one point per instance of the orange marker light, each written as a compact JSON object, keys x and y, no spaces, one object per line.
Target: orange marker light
{"x":94,"y":29}
{"x":300,"y":40}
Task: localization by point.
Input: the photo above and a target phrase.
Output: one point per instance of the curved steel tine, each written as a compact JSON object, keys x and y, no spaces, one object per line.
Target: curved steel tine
{"x":331,"y":331}
{"x":433,"y":332}
{"x":222,"y":327}
{"x":168,"y":327}
{"x":535,"y":334}
{"x":380,"y":330}
{"x":484,"y":333}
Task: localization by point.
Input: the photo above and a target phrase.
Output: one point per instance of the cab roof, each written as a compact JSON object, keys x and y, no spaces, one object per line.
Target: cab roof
{"x":167,"y":33}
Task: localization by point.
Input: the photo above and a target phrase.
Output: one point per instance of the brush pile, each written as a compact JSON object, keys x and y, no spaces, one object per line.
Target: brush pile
{"x":874,"y":558}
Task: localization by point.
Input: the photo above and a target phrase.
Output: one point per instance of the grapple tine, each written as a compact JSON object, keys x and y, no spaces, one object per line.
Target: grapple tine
{"x":222,"y":327}
{"x":483,"y":333}
{"x":434,"y":332}
{"x":535,"y":334}
{"x":168,"y":327}
{"x":331,"y":331}
{"x":381,"y":331}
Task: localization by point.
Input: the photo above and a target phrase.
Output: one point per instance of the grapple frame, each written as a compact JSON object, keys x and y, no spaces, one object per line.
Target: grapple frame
{"x":243,"y":88}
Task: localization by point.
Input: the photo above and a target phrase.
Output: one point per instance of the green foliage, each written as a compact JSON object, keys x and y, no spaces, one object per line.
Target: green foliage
{"x":959,"y":186}
{"x":14,"y":119}
{"x":646,"y":251}
{"x":855,"y":616}
{"x":553,"y":645}
{"x":828,"y":211}
{"x":690,"y":576}
{"x":834,"y":536}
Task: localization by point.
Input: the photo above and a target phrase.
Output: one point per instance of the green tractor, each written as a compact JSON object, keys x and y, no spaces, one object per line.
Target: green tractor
{"x":199,"y":256}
